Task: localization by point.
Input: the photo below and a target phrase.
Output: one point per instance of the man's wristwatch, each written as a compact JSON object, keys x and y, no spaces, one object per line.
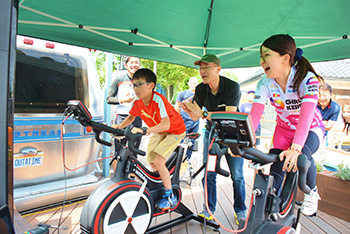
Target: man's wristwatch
{"x":204,"y":114}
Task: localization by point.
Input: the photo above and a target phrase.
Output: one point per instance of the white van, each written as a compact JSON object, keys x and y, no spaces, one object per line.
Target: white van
{"x":48,"y":74}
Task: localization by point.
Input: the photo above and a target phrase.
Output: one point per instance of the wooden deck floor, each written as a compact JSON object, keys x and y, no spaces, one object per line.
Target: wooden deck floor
{"x":193,"y":198}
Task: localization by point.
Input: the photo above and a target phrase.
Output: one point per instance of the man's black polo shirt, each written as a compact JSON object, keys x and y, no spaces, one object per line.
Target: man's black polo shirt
{"x":229,"y":94}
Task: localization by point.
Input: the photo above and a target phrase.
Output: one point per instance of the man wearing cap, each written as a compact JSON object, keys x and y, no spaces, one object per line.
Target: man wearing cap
{"x":246,"y":107}
{"x":217,"y":93}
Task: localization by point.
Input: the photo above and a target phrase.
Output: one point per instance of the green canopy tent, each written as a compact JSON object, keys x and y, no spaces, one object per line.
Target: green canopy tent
{"x":182,"y":31}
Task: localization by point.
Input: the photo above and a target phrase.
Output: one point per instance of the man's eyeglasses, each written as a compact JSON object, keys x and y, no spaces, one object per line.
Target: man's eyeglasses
{"x":205,"y":68}
{"x":139,"y":84}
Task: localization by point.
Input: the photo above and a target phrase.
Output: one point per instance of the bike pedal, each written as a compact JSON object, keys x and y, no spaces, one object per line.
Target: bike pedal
{"x":299,"y":203}
{"x":313,"y":215}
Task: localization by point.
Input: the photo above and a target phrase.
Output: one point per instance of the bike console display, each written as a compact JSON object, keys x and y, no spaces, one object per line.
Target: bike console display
{"x":81,"y":113}
{"x":234,"y":127}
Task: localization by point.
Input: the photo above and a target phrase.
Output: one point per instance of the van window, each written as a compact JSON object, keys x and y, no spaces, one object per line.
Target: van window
{"x":46,"y":81}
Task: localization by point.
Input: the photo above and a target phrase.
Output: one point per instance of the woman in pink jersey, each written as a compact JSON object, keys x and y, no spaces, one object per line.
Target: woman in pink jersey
{"x":291,"y":85}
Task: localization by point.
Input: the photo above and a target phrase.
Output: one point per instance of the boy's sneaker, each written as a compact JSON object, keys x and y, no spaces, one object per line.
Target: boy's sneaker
{"x":240,"y":215}
{"x":310,"y":203}
{"x":167,"y":203}
{"x":206,"y":215}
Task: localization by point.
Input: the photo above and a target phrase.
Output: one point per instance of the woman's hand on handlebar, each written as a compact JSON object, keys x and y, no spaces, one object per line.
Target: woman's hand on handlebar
{"x":290,"y":157}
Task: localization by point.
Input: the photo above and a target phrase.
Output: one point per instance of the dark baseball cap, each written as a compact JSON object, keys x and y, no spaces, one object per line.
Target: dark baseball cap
{"x":251,"y":91}
{"x":208,"y":58}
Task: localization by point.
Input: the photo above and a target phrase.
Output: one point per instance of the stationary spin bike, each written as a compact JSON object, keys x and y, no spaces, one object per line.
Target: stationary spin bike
{"x":269,"y":212}
{"x":123,"y":204}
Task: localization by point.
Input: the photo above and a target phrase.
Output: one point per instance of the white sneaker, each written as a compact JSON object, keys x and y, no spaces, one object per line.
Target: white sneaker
{"x":310,"y":203}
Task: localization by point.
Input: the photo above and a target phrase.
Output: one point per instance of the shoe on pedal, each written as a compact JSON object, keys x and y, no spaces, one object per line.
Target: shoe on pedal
{"x":167,"y":202}
{"x":206,"y":215}
{"x":240,"y":215}
{"x":310,"y":203}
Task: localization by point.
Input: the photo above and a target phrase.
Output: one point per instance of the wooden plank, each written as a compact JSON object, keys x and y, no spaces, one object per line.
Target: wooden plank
{"x":21,"y":224}
{"x":198,"y":198}
{"x":345,"y":223}
{"x":227,"y":206}
{"x":309,"y":225}
{"x":323,"y":225}
{"x":73,"y":219}
{"x":42,"y":216}
{"x":191,"y":226}
{"x":333,"y":222}
{"x":75,"y":229}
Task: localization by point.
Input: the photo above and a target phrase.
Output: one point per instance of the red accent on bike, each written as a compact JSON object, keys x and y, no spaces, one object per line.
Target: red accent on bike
{"x":129,"y":220}
{"x":284,"y":230}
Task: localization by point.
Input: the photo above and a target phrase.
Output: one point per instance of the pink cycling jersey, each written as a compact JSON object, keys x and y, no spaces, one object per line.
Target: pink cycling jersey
{"x":296,"y":111}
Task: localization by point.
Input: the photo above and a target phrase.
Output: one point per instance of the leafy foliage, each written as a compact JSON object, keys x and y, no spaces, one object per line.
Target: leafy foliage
{"x":319,"y":167}
{"x":100,"y":59}
{"x":343,"y":172}
{"x":173,"y":78}
{"x":229,"y":74}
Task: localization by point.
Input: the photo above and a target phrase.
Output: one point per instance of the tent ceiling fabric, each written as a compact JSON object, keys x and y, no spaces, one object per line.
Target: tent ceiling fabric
{"x":174,"y":31}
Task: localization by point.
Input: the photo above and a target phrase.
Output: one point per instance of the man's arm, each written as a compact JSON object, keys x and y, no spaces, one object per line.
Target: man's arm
{"x":192,"y":109}
{"x":113,"y":90}
{"x":177,"y":106}
{"x":127,"y":121}
{"x":328,"y":124}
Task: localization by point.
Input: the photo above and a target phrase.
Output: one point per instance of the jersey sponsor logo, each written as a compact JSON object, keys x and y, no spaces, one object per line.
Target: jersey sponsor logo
{"x":293,"y":104}
{"x":312,"y":88}
{"x":277,"y":103}
{"x":312,"y":80}
{"x":276,"y":95}
{"x":148,"y":116}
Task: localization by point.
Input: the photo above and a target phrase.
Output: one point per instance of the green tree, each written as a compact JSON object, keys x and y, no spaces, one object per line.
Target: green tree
{"x":173,"y":78}
{"x":100,"y":59}
{"x":230,"y":74}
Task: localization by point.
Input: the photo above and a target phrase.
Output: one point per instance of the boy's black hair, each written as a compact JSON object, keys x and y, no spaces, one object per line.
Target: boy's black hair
{"x":147,"y":74}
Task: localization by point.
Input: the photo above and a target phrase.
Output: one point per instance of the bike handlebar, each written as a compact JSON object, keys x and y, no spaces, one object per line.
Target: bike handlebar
{"x":99,"y":127}
{"x":215,"y":149}
{"x":259,"y":157}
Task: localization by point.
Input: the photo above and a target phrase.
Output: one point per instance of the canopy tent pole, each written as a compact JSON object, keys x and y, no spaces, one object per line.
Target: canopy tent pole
{"x":8,"y":28}
{"x":207,"y":30}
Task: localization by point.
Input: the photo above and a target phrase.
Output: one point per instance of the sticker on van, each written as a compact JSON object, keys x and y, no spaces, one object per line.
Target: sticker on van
{"x":28,"y":157}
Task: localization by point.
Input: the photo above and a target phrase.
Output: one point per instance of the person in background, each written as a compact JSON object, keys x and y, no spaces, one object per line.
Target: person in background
{"x":217,"y":93}
{"x":291,"y":84}
{"x":185,"y":96}
{"x":121,"y":93}
{"x":165,"y":124}
{"x":346,"y":116}
{"x":246,"y":108}
{"x":329,"y":109}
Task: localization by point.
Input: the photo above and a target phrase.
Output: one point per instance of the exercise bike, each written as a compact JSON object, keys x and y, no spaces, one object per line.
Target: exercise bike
{"x":269,"y":212}
{"x":124,"y":205}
